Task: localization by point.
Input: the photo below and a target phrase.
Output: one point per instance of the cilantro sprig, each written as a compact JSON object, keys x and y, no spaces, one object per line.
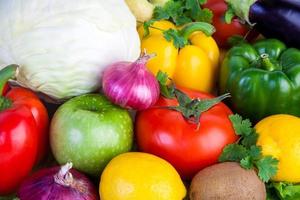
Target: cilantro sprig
{"x":183,"y":11}
{"x":246,"y":152}
{"x":180,"y":12}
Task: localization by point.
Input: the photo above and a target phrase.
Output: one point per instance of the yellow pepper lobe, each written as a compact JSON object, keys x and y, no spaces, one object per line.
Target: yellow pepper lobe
{"x":194,"y":69}
{"x":166,"y":54}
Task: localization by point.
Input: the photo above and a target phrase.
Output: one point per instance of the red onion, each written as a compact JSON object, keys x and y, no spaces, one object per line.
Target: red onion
{"x":131,"y":85}
{"x":58,"y":183}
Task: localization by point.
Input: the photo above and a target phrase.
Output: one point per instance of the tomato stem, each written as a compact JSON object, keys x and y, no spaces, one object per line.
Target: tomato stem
{"x":191,"y":109}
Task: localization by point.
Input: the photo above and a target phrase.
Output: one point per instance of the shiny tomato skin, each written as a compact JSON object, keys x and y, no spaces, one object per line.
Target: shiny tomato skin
{"x":18,"y":147}
{"x":167,"y":134}
{"x":223,"y":30}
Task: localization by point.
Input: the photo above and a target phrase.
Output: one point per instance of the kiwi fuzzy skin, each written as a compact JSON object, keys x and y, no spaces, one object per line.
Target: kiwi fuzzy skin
{"x":227,"y":181}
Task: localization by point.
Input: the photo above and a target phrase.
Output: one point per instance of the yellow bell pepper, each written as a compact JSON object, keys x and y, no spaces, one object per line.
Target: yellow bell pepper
{"x":194,"y":66}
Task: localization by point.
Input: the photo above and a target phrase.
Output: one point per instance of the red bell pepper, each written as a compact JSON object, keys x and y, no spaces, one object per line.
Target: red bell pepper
{"x":5,"y":89}
{"x":23,"y":132}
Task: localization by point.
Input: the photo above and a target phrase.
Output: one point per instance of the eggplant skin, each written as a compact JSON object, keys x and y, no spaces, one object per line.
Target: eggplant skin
{"x":277,"y":20}
{"x":291,"y":3}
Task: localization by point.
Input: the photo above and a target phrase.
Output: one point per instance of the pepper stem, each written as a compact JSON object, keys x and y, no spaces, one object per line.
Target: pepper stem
{"x":6,"y":74}
{"x":64,"y":177}
{"x":266,"y":63}
{"x":190,"y":28}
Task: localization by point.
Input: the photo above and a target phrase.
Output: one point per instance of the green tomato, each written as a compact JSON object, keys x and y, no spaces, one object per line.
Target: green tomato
{"x":89,"y":131}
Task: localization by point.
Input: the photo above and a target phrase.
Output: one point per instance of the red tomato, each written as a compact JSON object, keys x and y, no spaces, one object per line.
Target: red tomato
{"x":167,"y":134}
{"x":224,"y":30}
{"x":23,"y":137}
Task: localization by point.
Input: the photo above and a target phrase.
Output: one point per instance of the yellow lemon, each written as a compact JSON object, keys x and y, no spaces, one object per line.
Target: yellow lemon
{"x":279,"y":136}
{"x":140,"y":176}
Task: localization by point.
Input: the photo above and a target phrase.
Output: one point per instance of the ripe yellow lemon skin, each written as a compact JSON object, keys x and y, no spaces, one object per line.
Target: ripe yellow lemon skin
{"x":140,"y":176}
{"x":279,"y":136}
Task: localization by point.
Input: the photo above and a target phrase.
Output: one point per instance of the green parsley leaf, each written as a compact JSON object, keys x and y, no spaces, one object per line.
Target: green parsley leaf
{"x":182,"y":12}
{"x":255,"y":152}
{"x":205,"y":15}
{"x":233,"y":152}
{"x":246,"y":163}
{"x":246,"y":151}
{"x":229,"y":14}
{"x":267,"y":167}
{"x":179,"y":21}
{"x":166,"y":91}
{"x":175,"y":36}
{"x":241,"y":127}
{"x":193,"y":6}
{"x":146,"y":26}
{"x":172,"y":10}
{"x":250,"y":139}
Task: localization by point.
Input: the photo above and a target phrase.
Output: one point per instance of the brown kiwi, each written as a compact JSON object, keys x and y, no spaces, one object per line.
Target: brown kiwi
{"x":227,"y":181}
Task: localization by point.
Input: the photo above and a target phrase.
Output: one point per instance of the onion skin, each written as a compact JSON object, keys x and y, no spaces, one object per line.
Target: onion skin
{"x":42,"y":186}
{"x":131,"y":85}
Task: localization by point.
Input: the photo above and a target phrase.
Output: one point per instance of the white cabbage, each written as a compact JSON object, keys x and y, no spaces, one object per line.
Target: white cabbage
{"x":62,"y":46}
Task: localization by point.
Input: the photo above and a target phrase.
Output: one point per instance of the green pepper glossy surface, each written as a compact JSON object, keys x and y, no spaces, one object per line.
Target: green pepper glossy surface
{"x":263,"y":79}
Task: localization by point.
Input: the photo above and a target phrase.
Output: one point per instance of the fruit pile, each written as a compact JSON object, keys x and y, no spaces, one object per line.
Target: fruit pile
{"x":149,"y":100}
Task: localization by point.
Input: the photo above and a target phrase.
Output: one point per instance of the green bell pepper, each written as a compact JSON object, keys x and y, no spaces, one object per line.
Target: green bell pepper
{"x":263,"y":79}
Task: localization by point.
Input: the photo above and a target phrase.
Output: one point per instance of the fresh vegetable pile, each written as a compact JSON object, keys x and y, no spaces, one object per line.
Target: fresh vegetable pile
{"x":155,"y":100}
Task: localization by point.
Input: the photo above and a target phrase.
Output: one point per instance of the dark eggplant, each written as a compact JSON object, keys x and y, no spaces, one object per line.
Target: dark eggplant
{"x":272,"y":18}
{"x":291,"y":3}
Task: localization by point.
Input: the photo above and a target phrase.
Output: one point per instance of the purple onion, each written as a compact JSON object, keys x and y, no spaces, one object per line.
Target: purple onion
{"x":58,"y":183}
{"x":131,"y":85}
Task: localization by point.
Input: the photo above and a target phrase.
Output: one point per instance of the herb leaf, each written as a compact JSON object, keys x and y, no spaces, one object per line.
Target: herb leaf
{"x":250,"y":139}
{"x":241,"y":127}
{"x":247,"y":162}
{"x":205,"y":15}
{"x":246,"y":152}
{"x":172,"y":10}
{"x":166,"y":91}
{"x":267,"y":167}
{"x":146,"y":27}
{"x":183,"y":11}
{"x":233,"y":152}
{"x":174,"y":35}
{"x":229,"y":14}
{"x":193,"y":6}
{"x":255,"y":152}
